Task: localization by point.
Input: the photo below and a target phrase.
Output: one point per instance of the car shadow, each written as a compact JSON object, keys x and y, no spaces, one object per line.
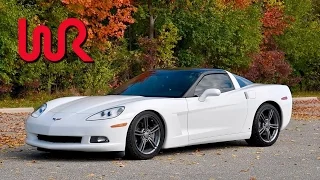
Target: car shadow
{"x":69,"y":155}
{"x":32,"y":154}
{"x":205,"y":147}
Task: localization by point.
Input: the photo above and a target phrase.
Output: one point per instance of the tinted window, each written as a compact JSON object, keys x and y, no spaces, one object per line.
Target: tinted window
{"x":217,"y":81}
{"x":162,"y":83}
{"x":242,"y":81}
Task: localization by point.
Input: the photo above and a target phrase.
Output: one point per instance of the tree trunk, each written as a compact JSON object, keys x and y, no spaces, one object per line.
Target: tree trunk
{"x":151,"y":20}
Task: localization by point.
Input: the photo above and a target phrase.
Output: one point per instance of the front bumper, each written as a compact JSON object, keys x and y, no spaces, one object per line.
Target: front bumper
{"x":86,"y":147}
{"x":76,"y":126}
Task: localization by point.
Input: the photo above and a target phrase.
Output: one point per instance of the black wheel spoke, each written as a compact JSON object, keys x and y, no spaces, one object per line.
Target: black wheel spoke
{"x":154,"y":129}
{"x":142,"y":145}
{"x":145,"y":121}
{"x":270,"y":115}
{"x":274,"y":126}
{"x":262,"y":117}
{"x":261,"y":131}
{"x":138,"y":133}
{"x":268,"y":134}
{"x":153,"y":144}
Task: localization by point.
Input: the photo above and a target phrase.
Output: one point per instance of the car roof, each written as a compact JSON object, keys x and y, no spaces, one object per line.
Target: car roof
{"x":198,"y":70}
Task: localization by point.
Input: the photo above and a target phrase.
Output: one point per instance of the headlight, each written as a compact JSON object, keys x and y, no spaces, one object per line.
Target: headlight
{"x":39,"y":111}
{"x":107,"y":114}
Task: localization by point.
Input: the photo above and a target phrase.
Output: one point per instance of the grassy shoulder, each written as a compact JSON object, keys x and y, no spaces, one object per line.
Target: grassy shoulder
{"x":33,"y":100}
{"x":36,"y":100}
{"x":306,"y":94}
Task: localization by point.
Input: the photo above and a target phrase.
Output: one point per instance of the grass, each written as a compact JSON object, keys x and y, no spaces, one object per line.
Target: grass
{"x":306,"y":94}
{"x":36,"y":100}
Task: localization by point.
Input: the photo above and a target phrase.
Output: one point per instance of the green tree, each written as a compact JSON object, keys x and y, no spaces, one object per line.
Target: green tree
{"x":301,"y":42}
{"x":12,"y":71}
{"x":217,"y":36}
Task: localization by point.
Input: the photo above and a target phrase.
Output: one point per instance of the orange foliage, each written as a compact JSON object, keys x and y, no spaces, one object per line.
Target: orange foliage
{"x":274,"y":22}
{"x":104,"y":19}
{"x":269,"y":65}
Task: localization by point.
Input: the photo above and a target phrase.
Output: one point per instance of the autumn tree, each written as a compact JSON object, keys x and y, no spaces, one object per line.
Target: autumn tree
{"x":239,"y":4}
{"x":105,"y":19}
{"x":269,"y":65}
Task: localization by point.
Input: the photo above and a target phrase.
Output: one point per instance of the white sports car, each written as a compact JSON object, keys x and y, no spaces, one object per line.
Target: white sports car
{"x":164,"y":109}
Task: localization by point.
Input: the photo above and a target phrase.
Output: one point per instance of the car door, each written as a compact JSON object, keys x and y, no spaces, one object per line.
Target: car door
{"x":217,"y":115}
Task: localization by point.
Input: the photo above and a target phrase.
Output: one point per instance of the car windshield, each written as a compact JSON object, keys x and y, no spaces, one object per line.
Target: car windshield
{"x":162,"y":83}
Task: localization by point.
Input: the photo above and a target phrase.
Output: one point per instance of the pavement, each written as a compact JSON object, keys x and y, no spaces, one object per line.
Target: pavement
{"x":296,"y":155}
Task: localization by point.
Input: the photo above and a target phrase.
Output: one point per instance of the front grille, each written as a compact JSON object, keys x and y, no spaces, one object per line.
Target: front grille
{"x":60,"y":139}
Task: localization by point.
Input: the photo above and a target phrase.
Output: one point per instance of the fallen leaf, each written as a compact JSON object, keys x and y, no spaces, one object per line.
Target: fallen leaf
{"x":91,"y":175}
{"x":120,"y":164}
{"x":244,"y":170}
{"x":233,"y":155}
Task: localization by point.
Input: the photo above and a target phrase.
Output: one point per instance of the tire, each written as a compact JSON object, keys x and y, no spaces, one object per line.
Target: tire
{"x":265,"y":130}
{"x":145,"y":136}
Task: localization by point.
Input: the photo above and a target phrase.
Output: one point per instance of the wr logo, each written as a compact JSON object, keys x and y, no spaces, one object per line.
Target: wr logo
{"x":44,"y":31}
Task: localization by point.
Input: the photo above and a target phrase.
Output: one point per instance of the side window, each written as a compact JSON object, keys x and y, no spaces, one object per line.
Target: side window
{"x":242,"y":81}
{"x":218,"y":81}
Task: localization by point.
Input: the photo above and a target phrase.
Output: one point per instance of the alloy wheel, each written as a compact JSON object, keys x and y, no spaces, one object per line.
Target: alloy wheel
{"x":268,"y":125}
{"x":147,"y":134}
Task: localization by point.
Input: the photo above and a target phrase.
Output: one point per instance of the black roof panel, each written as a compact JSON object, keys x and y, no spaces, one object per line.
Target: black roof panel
{"x":199,"y":70}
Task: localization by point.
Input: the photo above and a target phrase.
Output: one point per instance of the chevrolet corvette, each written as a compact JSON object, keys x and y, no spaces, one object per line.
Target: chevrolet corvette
{"x":163,"y":109}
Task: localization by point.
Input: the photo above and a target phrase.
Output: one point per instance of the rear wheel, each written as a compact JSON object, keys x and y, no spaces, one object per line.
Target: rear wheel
{"x":145,"y":136}
{"x":266,"y":126}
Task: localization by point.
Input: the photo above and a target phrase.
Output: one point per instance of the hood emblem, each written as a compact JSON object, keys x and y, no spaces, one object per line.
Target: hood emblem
{"x":56,"y":119}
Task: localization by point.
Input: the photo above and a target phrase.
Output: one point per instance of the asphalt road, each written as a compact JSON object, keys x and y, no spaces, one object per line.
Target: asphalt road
{"x":296,"y":155}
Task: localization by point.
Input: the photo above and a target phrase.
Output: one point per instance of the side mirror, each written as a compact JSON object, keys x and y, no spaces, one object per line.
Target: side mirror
{"x":209,"y":92}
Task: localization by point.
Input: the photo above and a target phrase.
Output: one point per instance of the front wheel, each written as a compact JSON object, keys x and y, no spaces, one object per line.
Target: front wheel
{"x":266,"y":126}
{"x":145,"y":136}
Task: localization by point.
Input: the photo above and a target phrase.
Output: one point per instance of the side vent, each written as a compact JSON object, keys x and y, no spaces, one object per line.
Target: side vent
{"x":246,"y":95}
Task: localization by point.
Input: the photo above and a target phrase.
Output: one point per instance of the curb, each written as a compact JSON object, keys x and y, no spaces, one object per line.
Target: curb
{"x":304,"y":98}
{"x":17,"y":110}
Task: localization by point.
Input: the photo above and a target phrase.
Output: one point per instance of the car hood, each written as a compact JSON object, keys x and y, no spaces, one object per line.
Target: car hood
{"x":94,"y":104}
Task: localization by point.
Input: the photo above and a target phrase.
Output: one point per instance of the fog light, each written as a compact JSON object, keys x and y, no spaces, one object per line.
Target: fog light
{"x":98,"y":139}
